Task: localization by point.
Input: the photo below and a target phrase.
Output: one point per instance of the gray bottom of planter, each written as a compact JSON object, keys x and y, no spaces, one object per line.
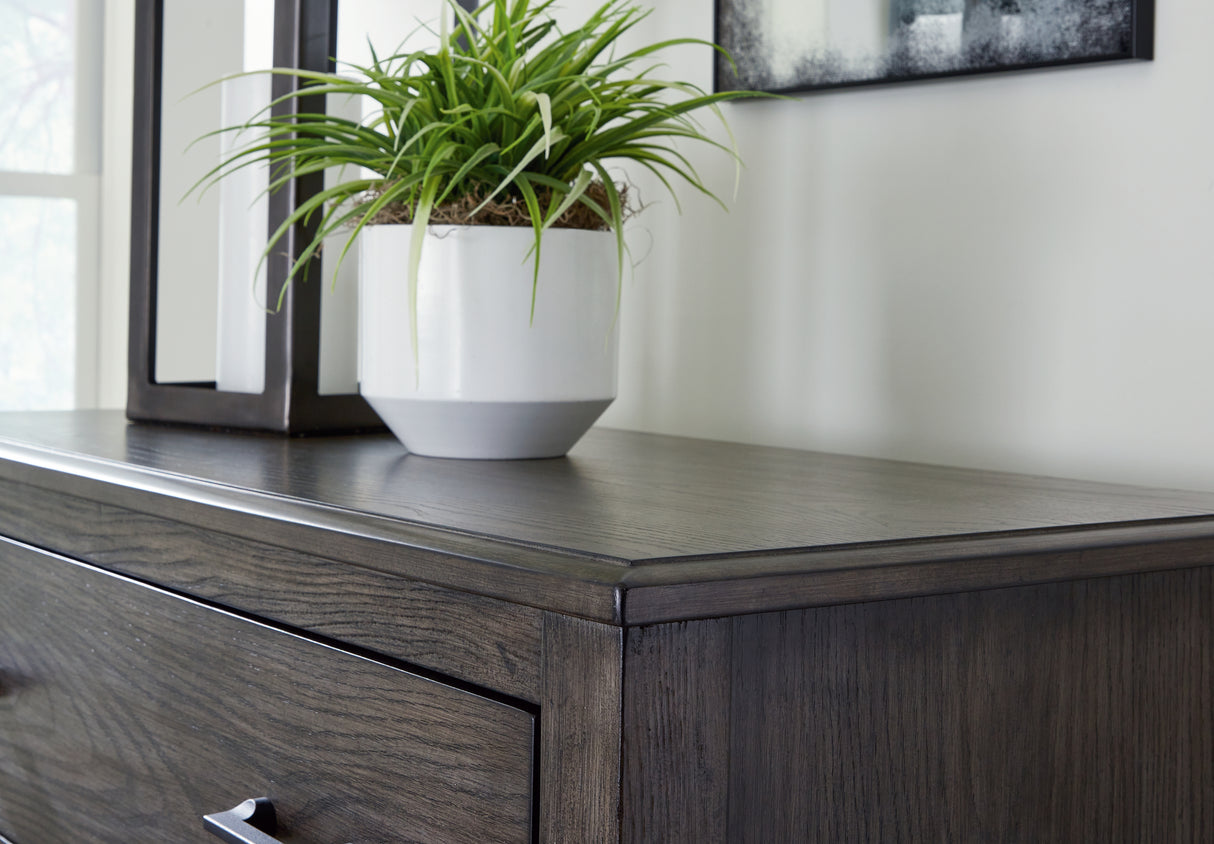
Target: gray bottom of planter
{"x":488,"y":430}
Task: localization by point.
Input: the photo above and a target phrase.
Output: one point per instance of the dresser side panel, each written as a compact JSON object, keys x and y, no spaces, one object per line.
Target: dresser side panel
{"x":1062,"y":712}
{"x":676,"y":732}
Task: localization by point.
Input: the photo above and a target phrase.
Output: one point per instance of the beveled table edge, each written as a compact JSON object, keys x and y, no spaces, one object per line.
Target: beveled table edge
{"x":618,"y":591}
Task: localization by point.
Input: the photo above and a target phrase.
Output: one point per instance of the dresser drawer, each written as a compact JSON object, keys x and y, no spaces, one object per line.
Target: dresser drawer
{"x":127,"y":713}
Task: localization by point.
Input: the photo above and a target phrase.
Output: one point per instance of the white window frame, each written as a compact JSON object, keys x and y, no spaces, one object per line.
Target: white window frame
{"x":112,"y":304}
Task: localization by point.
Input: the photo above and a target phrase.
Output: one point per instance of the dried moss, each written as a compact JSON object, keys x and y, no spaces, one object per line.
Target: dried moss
{"x":508,"y":211}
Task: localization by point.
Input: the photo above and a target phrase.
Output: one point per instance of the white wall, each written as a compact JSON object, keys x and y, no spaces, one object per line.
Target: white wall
{"x":1010,"y":272}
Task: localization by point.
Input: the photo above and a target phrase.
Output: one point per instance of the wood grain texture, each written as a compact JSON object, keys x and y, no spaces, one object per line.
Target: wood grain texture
{"x":676,"y":732}
{"x":581,"y":732}
{"x":619,"y":495}
{"x":1072,"y":706}
{"x":1067,"y":712}
{"x":730,"y":586}
{"x":519,"y":573}
{"x":631,"y":529}
{"x":480,"y":640}
{"x":136,"y":712}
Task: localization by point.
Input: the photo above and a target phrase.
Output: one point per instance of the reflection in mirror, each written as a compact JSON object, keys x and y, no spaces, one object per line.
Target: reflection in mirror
{"x":802,"y":44}
{"x":244,"y":209}
{"x":211,"y":294}
{"x":202,"y":43}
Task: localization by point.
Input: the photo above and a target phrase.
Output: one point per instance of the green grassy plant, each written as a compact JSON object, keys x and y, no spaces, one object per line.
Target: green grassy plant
{"x":508,"y":109}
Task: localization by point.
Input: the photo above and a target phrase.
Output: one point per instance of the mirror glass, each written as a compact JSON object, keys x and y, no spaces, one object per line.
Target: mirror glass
{"x":204,"y":42}
{"x":211,"y":295}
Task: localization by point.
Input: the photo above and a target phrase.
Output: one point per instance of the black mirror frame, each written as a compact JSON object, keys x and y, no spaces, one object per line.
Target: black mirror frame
{"x":304,"y":37}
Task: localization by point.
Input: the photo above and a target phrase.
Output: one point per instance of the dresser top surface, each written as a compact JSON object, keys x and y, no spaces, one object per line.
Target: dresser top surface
{"x":627,"y":496}
{"x":623,"y":499}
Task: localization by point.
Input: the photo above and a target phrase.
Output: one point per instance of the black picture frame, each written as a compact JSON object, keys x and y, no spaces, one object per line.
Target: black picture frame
{"x":1101,"y":31}
{"x":304,"y":37}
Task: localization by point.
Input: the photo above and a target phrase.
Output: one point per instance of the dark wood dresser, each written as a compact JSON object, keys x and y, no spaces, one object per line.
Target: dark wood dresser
{"x":653,"y":640}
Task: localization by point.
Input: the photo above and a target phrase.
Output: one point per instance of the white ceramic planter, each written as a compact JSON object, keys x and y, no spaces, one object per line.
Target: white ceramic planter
{"x":489,"y":381}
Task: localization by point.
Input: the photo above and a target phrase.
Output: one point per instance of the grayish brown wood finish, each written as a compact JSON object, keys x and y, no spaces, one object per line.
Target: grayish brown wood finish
{"x":913,"y":569}
{"x":580,"y":730}
{"x":136,"y":712}
{"x":623,"y":496}
{"x":676,"y":739}
{"x":723,"y":643}
{"x":1065,"y":712}
{"x":523,"y":574}
{"x":483,"y":641}
{"x":631,"y":529}
{"x":1079,"y":711}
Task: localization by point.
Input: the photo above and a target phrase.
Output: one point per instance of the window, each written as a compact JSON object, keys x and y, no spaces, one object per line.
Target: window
{"x":50,"y":153}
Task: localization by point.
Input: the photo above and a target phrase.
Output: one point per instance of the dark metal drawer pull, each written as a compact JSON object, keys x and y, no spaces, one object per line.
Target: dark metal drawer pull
{"x":252,"y":822}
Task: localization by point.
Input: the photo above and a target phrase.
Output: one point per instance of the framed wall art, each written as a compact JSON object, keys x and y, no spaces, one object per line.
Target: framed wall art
{"x":804,"y":45}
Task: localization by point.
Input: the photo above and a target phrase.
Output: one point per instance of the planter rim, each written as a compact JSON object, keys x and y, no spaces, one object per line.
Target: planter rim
{"x":485,"y":227}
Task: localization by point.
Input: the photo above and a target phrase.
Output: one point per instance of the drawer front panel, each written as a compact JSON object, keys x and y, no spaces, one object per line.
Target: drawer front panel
{"x":127,"y":713}
{"x":446,"y":629}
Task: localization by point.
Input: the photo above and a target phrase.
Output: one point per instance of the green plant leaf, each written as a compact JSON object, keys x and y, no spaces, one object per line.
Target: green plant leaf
{"x":508,"y":107}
